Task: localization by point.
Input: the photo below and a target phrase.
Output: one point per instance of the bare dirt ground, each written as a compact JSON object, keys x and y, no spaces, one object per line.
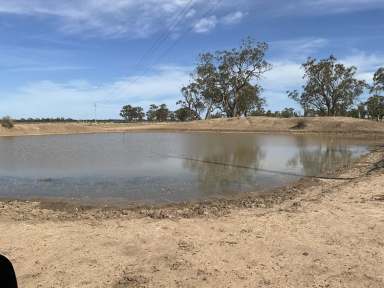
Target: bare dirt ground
{"x":249,"y":124}
{"x":329,"y":234}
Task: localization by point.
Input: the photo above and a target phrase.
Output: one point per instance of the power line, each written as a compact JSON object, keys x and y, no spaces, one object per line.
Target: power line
{"x":209,"y":11}
{"x":269,"y":171}
{"x":166,"y":34}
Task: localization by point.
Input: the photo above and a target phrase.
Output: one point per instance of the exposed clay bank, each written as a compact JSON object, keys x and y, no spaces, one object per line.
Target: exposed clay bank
{"x":337,"y":125}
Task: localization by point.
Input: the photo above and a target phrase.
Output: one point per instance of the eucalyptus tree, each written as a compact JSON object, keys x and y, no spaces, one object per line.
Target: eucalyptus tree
{"x":250,"y":100}
{"x":130,"y":113}
{"x":375,"y":103}
{"x":151,"y":113}
{"x":192,"y":102}
{"x":378,"y":82}
{"x":163,"y":113}
{"x":330,"y":88}
{"x":159,"y":113}
{"x":375,"y":107}
{"x":223,"y":77}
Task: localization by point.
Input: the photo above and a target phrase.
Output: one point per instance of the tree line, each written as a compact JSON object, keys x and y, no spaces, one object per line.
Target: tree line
{"x":227,"y":84}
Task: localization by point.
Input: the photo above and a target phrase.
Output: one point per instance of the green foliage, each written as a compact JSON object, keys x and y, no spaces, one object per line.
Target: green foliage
{"x":375,"y":104}
{"x":159,"y":113}
{"x":288,"y":113}
{"x":132,"y":114}
{"x":222,"y":81}
{"x":151,"y":113}
{"x":192,"y":103}
{"x":375,"y":107}
{"x":330,"y":89}
{"x":378,"y":81}
{"x":250,"y":101}
{"x":163,"y":114}
{"x":185,"y":114}
{"x":7,"y":122}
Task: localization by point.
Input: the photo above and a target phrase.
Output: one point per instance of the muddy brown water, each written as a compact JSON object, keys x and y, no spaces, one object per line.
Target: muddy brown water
{"x":164,"y":167}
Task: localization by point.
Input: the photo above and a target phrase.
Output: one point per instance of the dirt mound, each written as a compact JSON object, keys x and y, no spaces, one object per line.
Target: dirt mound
{"x":248,"y":124}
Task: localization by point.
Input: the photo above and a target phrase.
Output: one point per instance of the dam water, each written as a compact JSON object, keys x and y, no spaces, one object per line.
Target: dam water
{"x":164,"y":167}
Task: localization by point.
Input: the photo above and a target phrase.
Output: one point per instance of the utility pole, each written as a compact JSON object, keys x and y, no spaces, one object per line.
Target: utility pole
{"x":95,"y":112}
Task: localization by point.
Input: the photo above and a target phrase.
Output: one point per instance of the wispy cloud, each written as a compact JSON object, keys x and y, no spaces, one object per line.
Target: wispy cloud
{"x":128,"y":18}
{"x":366,"y":63}
{"x":44,"y":68}
{"x":138,"y":19}
{"x":314,"y":7}
{"x":233,"y":18}
{"x":205,"y":25}
{"x":299,"y":48}
{"x":21,"y":59}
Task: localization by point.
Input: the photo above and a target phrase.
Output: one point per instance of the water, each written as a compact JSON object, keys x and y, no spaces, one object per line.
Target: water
{"x":164,"y":167}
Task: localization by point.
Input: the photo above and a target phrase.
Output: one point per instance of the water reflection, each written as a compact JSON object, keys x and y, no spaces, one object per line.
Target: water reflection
{"x":219,"y":158}
{"x":323,"y":156}
{"x":158,"y":167}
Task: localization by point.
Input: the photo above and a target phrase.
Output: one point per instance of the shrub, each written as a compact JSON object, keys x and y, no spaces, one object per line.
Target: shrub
{"x":301,"y":124}
{"x":7,"y":122}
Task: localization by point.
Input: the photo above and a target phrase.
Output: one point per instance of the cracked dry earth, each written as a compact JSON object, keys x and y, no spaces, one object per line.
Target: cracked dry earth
{"x":330,"y":236}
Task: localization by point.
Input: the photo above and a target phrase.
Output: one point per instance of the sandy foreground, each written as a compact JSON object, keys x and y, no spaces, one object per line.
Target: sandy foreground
{"x":329,"y":234}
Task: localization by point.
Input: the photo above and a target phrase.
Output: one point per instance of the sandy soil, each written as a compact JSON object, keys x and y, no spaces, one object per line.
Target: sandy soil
{"x":249,"y":124}
{"x":329,"y":234}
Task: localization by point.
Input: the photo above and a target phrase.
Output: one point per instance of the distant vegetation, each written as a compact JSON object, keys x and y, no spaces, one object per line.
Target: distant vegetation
{"x":227,"y":84}
{"x":44,"y":120}
{"x":132,"y":114}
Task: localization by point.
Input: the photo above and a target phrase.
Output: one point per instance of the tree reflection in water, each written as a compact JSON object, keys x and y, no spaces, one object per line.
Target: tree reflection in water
{"x":228,"y":150}
{"x":321,"y":156}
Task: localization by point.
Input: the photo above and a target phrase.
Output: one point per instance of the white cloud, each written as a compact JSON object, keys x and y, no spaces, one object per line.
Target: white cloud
{"x":233,"y":18}
{"x":284,"y":76}
{"x":287,"y":74}
{"x":205,"y":25}
{"x":76,"y":98}
{"x":300,"y":48}
{"x":367,"y":64}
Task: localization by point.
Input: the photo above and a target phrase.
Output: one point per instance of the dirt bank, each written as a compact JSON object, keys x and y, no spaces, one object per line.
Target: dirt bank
{"x":249,"y":124}
{"x":328,"y":235}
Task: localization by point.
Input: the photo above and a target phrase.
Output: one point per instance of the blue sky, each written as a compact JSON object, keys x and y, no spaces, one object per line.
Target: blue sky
{"x":60,"y":57}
